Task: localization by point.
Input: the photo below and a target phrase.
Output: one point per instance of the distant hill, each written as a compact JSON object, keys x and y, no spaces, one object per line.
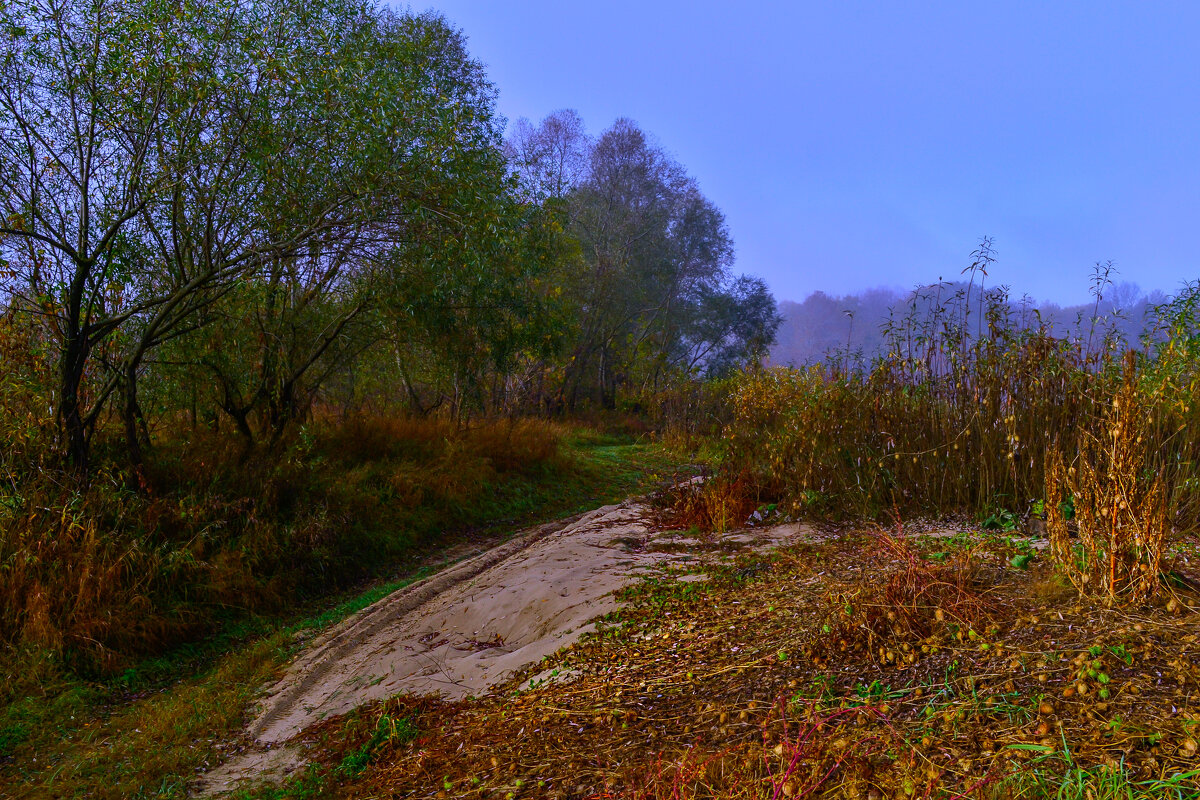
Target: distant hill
{"x":823,"y":325}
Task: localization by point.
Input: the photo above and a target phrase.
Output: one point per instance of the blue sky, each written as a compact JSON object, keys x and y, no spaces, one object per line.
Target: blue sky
{"x":855,"y":144}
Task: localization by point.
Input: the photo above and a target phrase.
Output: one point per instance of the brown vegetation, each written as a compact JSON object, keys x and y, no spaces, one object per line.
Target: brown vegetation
{"x":1121,"y":504}
{"x":104,"y":574}
{"x":988,"y":415}
{"x":741,"y":687}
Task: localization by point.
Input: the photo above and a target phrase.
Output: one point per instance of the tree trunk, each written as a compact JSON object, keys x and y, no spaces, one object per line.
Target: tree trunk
{"x":130,"y":413}
{"x":73,"y":430}
{"x":241,"y":420}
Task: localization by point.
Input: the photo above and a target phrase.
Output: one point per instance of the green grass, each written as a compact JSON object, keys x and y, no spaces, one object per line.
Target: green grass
{"x":1066,"y":781}
{"x":96,"y":741}
{"x":314,"y":780}
{"x":142,"y":733}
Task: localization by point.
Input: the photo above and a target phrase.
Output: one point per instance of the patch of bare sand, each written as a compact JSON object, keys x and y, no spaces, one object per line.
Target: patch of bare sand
{"x":470,"y":627}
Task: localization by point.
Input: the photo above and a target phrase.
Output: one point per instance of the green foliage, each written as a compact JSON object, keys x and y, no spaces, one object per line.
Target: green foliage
{"x":1049,"y":779}
{"x":647,"y":286}
{"x":273,"y":187}
{"x":1021,"y":560}
{"x":1000,"y":519}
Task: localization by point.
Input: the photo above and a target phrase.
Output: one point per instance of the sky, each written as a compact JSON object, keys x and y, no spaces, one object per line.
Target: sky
{"x":857,"y":144}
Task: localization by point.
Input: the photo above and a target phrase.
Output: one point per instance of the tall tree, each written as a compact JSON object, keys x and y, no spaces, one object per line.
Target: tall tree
{"x":384,"y":148}
{"x":654,"y":294}
{"x":158,"y":160}
{"x":88,"y":142}
{"x":550,"y":159}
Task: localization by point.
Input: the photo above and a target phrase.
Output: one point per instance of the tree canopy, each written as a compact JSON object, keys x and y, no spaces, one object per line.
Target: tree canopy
{"x":230,"y":211}
{"x":652,"y":293}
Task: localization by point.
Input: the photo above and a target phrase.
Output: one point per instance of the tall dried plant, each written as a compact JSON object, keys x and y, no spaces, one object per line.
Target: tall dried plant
{"x":1121,"y":501}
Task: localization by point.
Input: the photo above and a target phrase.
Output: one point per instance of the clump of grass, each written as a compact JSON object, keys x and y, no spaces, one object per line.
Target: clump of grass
{"x":689,"y":413}
{"x":71,"y":586}
{"x":27,"y":427}
{"x":1070,"y":781}
{"x":61,"y":747}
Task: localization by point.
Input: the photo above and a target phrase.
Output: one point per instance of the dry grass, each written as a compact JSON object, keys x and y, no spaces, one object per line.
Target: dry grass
{"x":70,"y":587}
{"x":104,"y":574}
{"x":738,"y":688}
{"x":919,"y":601}
{"x":717,"y":504}
{"x":141,"y":749}
{"x":1006,"y":417}
{"x":142,"y":732}
{"x":26,"y":425}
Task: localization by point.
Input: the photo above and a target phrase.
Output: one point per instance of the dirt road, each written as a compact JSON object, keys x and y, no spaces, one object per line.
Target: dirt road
{"x":471,"y":626}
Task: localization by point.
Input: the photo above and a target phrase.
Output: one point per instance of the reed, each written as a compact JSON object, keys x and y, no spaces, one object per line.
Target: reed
{"x":977,"y":406}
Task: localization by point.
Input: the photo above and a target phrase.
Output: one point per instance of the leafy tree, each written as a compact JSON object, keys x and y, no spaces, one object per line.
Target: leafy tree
{"x":650,"y":283}
{"x":465,"y":316}
{"x":730,"y":327}
{"x":87,"y":144}
{"x":425,"y":174}
{"x":262,"y":166}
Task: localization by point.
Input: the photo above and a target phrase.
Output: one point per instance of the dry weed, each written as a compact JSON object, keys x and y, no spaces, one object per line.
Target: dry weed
{"x":1120,"y":503}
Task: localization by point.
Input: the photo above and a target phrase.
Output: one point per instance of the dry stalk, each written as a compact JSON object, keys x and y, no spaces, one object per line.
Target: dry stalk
{"x":1121,"y":504}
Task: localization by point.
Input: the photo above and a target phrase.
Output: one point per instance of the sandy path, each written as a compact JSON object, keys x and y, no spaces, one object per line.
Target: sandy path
{"x":471,"y":626}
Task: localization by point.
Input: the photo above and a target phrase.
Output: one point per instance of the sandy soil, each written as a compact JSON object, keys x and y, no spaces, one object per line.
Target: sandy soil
{"x":470,"y":627}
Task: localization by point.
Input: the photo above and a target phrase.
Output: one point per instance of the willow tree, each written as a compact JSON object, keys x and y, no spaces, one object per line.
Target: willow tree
{"x":159,"y":158}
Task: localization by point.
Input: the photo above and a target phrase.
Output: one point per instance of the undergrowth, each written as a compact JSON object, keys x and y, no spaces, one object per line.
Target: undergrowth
{"x":131,"y":715}
{"x":766,"y":681}
{"x":107,"y":573}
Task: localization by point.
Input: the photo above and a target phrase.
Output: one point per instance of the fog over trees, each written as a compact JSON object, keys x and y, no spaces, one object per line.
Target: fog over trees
{"x":823,"y":325}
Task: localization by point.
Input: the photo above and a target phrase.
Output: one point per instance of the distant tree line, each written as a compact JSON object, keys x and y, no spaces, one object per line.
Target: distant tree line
{"x":228,"y":214}
{"x":855,"y":326}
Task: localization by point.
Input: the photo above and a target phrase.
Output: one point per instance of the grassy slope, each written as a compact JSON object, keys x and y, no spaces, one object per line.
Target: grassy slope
{"x":143,"y":733}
